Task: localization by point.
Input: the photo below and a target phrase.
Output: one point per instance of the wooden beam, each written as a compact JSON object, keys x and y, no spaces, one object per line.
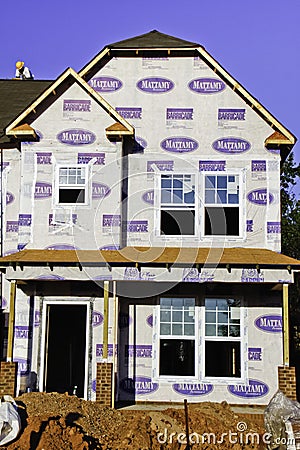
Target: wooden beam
{"x":105,"y":321}
{"x":97,"y":58}
{"x":11,"y":320}
{"x":115,"y":343}
{"x":286,"y":341}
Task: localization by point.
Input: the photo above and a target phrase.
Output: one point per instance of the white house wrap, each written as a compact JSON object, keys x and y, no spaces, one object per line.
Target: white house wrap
{"x":154,"y":170}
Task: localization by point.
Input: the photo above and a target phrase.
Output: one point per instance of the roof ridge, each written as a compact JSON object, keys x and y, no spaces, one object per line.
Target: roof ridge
{"x":153,"y":39}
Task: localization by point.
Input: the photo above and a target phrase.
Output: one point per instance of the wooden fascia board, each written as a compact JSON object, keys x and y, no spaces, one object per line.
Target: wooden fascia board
{"x":276,"y":142}
{"x":269,"y":118}
{"x":154,"y":49}
{"x":276,"y":139}
{"x":107,"y":263}
{"x":23,"y":130}
{"x":119,"y":132}
{"x":16,"y":133}
{"x":94,"y":61}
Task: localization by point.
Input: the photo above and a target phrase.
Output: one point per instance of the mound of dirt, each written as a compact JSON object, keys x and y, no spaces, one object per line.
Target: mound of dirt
{"x":61,"y":422}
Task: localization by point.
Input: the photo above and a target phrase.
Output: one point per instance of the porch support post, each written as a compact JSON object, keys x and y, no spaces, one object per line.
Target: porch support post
{"x":287,"y":382}
{"x":115,"y":341}
{"x":105,"y":321}
{"x":286,"y":340}
{"x":11,"y":322}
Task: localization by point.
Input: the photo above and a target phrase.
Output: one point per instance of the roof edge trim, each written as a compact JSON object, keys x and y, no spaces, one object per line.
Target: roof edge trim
{"x":94,"y":61}
{"x":277,"y":139}
{"x":22,"y":130}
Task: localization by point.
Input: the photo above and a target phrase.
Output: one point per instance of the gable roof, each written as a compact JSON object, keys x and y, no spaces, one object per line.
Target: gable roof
{"x":49,"y":95}
{"x":15,"y":96}
{"x":153,"y":39}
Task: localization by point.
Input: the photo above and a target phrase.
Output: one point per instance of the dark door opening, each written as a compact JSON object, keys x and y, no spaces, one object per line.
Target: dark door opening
{"x":65,"y":349}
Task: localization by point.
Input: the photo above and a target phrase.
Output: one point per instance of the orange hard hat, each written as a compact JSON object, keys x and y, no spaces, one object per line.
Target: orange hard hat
{"x":19,"y":64}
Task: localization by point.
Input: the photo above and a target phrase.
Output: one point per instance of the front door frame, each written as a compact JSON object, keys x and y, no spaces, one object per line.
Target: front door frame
{"x":46,"y":304}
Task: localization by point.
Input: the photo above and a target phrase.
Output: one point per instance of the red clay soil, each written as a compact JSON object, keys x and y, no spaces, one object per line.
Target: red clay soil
{"x":61,"y":422}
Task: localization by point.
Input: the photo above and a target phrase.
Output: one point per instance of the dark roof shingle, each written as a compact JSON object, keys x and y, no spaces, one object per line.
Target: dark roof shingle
{"x":15,"y":97}
{"x":153,"y":39}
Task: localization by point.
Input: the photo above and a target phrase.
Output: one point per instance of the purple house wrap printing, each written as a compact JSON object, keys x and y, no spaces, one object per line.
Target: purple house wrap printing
{"x":154,"y":173}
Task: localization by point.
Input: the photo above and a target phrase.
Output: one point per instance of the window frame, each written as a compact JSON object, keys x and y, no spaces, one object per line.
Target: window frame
{"x":239,"y":205}
{"x":241,"y":339}
{"x":163,"y":206}
{"x":85,"y":186}
{"x":157,"y":336}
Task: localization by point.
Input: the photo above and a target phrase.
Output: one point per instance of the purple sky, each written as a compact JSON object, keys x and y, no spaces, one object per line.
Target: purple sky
{"x":257,"y":41}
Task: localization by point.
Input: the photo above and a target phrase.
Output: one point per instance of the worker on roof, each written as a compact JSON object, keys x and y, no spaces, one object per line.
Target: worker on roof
{"x":23,"y":72}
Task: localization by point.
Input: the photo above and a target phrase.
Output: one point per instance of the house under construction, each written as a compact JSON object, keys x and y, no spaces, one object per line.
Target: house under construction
{"x":141,"y":231}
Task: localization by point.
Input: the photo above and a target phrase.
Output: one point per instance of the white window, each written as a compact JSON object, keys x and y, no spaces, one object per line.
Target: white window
{"x":177,"y":204}
{"x":222,"y":205}
{"x":177,"y":337}
{"x":72,"y":183}
{"x":223,"y":338}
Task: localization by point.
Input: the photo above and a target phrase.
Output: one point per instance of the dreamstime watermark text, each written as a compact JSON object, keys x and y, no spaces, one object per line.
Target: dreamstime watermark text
{"x":239,"y":435}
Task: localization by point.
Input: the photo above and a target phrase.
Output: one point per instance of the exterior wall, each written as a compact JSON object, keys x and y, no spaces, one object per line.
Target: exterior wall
{"x":30,"y":338}
{"x":203,"y":123}
{"x":136,"y":353}
{"x":181,"y":130}
{"x":178,"y":131}
{"x":77,"y":226}
{"x":11,"y":175}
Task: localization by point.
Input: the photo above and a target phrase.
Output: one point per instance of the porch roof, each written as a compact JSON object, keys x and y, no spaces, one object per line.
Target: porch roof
{"x":152,"y":257}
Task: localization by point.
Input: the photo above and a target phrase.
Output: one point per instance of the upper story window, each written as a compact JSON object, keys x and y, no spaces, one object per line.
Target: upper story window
{"x":177,"y":204}
{"x":72,"y":185}
{"x":218,"y":208}
{"x":222,"y":205}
